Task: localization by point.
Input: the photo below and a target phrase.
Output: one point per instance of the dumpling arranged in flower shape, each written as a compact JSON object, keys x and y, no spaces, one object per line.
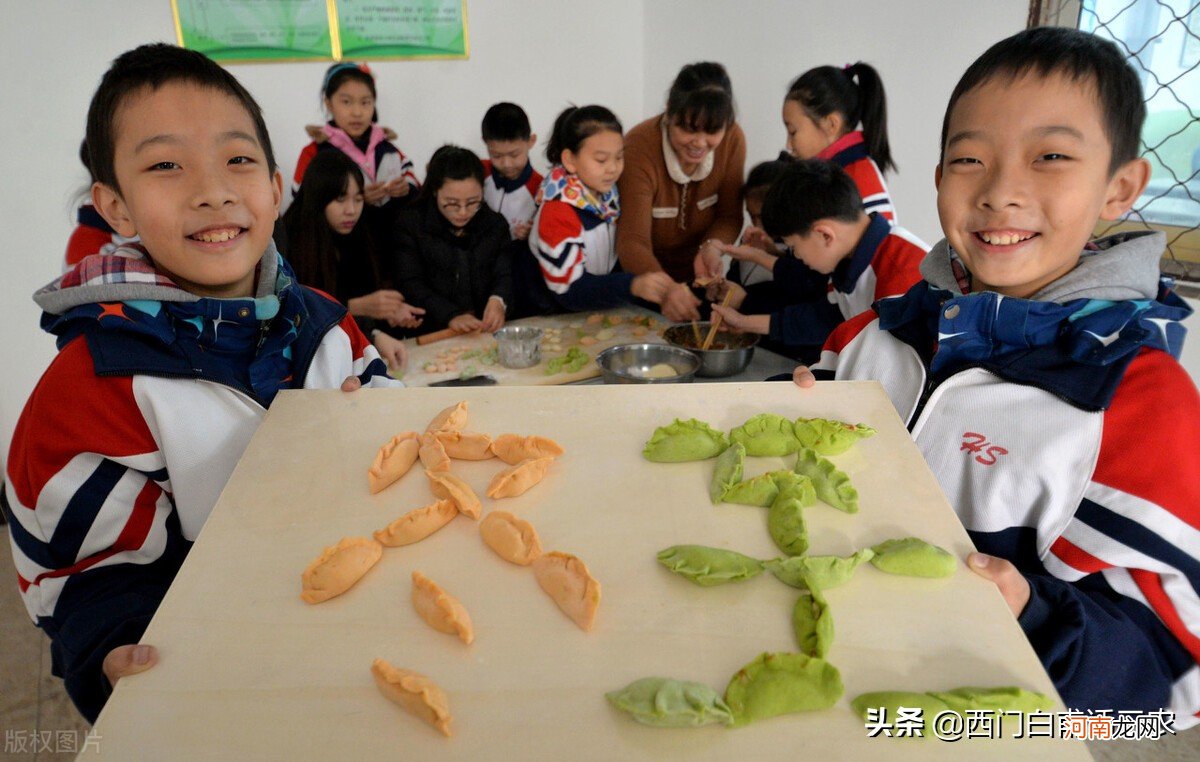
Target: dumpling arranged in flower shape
{"x":337,"y":568}
{"x":514,"y":448}
{"x":439,"y":609}
{"x":433,"y":454}
{"x":465,"y":445}
{"x":393,"y":461}
{"x":415,"y":693}
{"x":567,"y":581}
{"x":453,"y":418}
{"x":417,"y":524}
{"x":519,"y":478}
{"x":513,"y":539}
{"x":447,"y":485}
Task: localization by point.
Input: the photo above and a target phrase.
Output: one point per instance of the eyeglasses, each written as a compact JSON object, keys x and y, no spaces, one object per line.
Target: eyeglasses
{"x":454,"y":206}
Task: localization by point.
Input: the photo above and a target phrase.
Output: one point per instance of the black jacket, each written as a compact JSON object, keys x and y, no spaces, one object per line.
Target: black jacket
{"x":448,"y":274}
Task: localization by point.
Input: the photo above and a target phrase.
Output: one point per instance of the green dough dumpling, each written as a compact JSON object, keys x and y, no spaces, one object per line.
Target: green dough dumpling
{"x":708,"y":567}
{"x":913,"y":557}
{"x":892,"y":701}
{"x":1007,"y":699}
{"x":727,"y":472}
{"x":785,"y":522}
{"x":813,"y":624}
{"x":762,"y":489}
{"x":666,"y":703}
{"x":817,"y":572}
{"x":833,"y":486}
{"x":684,"y":440}
{"x":767,"y":434}
{"x":782,"y":683}
{"x":828,"y":437}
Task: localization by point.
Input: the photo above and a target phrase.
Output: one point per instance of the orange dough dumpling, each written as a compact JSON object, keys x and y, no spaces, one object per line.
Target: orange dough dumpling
{"x":519,"y":478}
{"x":433,"y":455}
{"x":514,"y":448}
{"x":439,"y":609}
{"x":447,"y":485}
{"x":513,"y":539}
{"x":415,"y":693}
{"x":567,"y":581}
{"x":337,"y":568}
{"x":453,"y":418}
{"x":393,"y":461}
{"x":417,"y":524}
{"x":466,"y":445}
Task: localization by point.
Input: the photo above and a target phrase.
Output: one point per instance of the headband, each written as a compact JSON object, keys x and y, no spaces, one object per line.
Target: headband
{"x":344,"y":66}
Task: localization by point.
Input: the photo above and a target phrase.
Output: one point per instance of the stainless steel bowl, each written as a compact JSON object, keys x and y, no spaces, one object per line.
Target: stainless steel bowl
{"x":730,"y":354}
{"x":629,"y":364}
{"x":519,"y":346}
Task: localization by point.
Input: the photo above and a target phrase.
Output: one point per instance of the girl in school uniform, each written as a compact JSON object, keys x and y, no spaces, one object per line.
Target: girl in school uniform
{"x":841,"y":115}
{"x":573,"y":234}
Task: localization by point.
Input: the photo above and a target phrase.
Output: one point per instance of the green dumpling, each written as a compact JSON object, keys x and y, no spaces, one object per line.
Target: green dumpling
{"x":832,"y":486}
{"x":766,"y":434}
{"x":813,"y":624}
{"x":683,"y":441}
{"x":708,"y":567}
{"x":761,"y":490}
{"x":1006,"y":699}
{"x":817,"y":572}
{"x":892,"y":701}
{"x":666,"y":703}
{"x":913,"y":557}
{"x":828,"y":437}
{"x":785,"y":521}
{"x":727,"y":472}
{"x":782,"y":683}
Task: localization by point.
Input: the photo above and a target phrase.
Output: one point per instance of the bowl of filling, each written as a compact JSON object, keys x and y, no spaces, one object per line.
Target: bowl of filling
{"x":728,"y":354}
{"x":647,"y":364}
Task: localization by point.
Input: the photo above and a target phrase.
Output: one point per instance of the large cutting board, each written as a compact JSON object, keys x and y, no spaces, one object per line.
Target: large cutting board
{"x":248,"y":671}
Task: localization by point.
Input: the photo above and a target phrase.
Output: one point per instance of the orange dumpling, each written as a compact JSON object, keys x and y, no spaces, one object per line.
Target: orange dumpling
{"x":513,"y":539}
{"x":466,"y":445}
{"x":337,"y":568}
{"x":566,"y":580}
{"x":414,"y":692}
{"x":439,"y":609}
{"x":447,"y":485}
{"x":417,"y":524}
{"x":514,"y":448}
{"x":393,"y":461}
{"x":433,"y":455}
{"x":517,"y":480}
{"x":453,"y":418}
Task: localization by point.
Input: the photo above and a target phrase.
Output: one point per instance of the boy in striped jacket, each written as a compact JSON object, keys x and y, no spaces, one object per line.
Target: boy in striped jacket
{"x":1036,"y":370}
{"x":170,"y":352}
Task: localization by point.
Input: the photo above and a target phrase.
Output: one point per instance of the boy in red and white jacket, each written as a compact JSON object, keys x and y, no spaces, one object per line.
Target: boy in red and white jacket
{"x":510,"y":184}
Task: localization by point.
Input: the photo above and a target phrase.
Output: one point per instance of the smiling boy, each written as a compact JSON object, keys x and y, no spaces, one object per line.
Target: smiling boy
{"x":1034,"y":368}
{"x":170,"y":352}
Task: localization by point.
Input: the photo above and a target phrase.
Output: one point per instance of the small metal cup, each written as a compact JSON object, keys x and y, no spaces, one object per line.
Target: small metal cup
{"x":519,"y":346}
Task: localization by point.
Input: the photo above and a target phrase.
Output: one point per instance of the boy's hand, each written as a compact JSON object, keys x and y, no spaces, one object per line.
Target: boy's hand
{"x":758,"y":238}
{"x":520,"y":230}
{"x":731,"y":318}
{"x":397,"y":187}
{"x":1012,"y":583}
{"x":374,"y":192}
{"x":493,"y":316}
{"x":406,"y":316}
{"x":680,"y":304}
{"x":751,"y":254}
{"x":128,"y":660}
{"x":652,"y":286}
{"x":727,"y":289}
{"x":803,"y":377}
{"x":465,"y":323}
{"x":392,"y":350}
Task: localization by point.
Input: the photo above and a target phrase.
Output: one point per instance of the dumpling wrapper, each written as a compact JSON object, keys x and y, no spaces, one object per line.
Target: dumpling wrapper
{"x":518,"y":479}
{"x":1004,"y":699}
{"x":433,"y":454}
{"x":417,"y":524}
{"x":817,"y":572}
{"x":764,"y":488}
{"x":782,"y":683}
{"x":813,"y":624}
{"x":727,"y":472}
{"x":567,"y":581}
{"x":707,"y":566}
{"x":393,"y":461}
{"x":913,"y":557}
{"x":666,"y":703}
{"x":682,"y":441}
{"x":766,"y":434}
{"x":448,"y":486}
{"x":453,"y":418}
{"x":466,"y":445}
{"x":440,"y":610}
{"x":415,"y":693}
{"x":785,"y":521}
{"x":832,"y":486}
{"x":513,"y":539}
{"x":825,"y":436}
{"x":338,"y":567}
{"x":892,"y":701}
{"x":514,"y":448}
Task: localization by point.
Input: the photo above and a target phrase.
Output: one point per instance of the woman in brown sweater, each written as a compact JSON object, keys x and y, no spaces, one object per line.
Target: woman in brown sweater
{"x":681,"y":188}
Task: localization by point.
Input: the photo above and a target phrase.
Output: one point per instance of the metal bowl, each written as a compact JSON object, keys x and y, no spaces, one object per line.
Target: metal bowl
{"x":630,"y":364}
{"x":519,"y":346}
{"x":730,"y":354}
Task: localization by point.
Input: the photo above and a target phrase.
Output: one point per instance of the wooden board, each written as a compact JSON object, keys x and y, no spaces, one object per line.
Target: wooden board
{"x":249,"y":671}
{"x":572,"y":327}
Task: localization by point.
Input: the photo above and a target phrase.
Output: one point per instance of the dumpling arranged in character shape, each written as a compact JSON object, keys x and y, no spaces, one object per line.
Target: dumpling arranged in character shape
{"x":782,"y":683}
{"x":727,"y":473}
{"x":465,"y":445}
{"x":415,"y":693}
{"x":813,"y":624}
{"x":913,"y":557}
{"x":393,"y":461}
{"x":681,"y":441}
{"x":817,"y":572}
{"x":707,"y":566}
{"x":513,"y":539}
{"x":417,"y":524}
{"x":337,"y":568}
{"x":514,"y":448}
{"x":832,"y":486}
{"x":766,"y":434}
{"x":433,"y":454}
{"x":453,"y":418}
{"x":447,"y":485}
{"x":828,"y":437}
{"x":764,"y":488}
{"x":566,"y":580}
{"x":439,"y":609}
{"x":666,"y":703}
{"x":519,"y":478}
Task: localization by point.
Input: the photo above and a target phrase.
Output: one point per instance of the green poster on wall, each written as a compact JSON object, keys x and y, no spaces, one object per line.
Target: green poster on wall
{"x":371,"y":29}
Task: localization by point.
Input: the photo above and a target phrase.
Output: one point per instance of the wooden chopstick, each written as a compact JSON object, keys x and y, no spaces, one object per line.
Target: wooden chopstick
{"x":696,"y":331}
{"x":716,"y":322}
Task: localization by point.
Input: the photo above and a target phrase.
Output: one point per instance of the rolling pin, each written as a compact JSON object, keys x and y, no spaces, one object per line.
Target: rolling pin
{"x":429,"y":338}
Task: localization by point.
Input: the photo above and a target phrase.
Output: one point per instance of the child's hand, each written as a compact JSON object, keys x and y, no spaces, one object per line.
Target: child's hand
{"x":751,"y":254}
{"x":520,"y":230}
{"x":803,"y":377}
{"x":680,"y":304}
{"x":1012,"y":583}
{"x":397,"y":187}
{"x":493,"y":316}
{"x":406,"y":316}
{"x":374,"y":192}
{"x":392,"y":350}
{"x":734,"y":291}
{"x":652,"y":286}
{"x":123,"y":661}
{"x":381,"y":304}
{"x":707,"y":264}
{"x":465,"y":323}
{"x":758,"y":238}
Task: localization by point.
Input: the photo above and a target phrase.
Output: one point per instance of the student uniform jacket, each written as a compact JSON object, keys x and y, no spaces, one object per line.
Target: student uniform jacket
{"x":514,"y":199}
{"x":574,"y":252}
{"x":850,"y":153}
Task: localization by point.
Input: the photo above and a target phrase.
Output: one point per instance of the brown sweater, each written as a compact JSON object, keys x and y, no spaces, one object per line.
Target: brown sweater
{"x":663,"y":222}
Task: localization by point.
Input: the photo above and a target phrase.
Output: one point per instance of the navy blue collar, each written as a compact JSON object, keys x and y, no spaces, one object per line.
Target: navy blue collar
{"x":508,"y":186}
{"x":849,"y":270}
{"x":90,"y":217}
{"x":851,"y":154}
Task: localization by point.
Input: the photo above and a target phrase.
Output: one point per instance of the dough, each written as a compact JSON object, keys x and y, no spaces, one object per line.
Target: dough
{"x":513,"y":539}
{"x":393,"y":461}
{"x":337,"y":568}
{"x":566,"y":580}
{"x":439,"y":609}
{"x":417,"y":524}
{"x":414,"y":692}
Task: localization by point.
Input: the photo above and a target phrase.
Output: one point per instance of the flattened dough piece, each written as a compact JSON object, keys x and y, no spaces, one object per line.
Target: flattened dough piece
{"x":566,"y":580}
{"x":439,"y":609}
{"x":453,"y":418}
{"x":393,"y":461}
{"x":433,"y":454}
{"x":466,"y":445}
{"x":415,"y":693}
{"x":338,"y":567}
{"x":447,"y":485}
{"x":513,"y":539}
{"x":519,"y":478}
{"x":417,"y":524}
{"x":514,"y":448}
